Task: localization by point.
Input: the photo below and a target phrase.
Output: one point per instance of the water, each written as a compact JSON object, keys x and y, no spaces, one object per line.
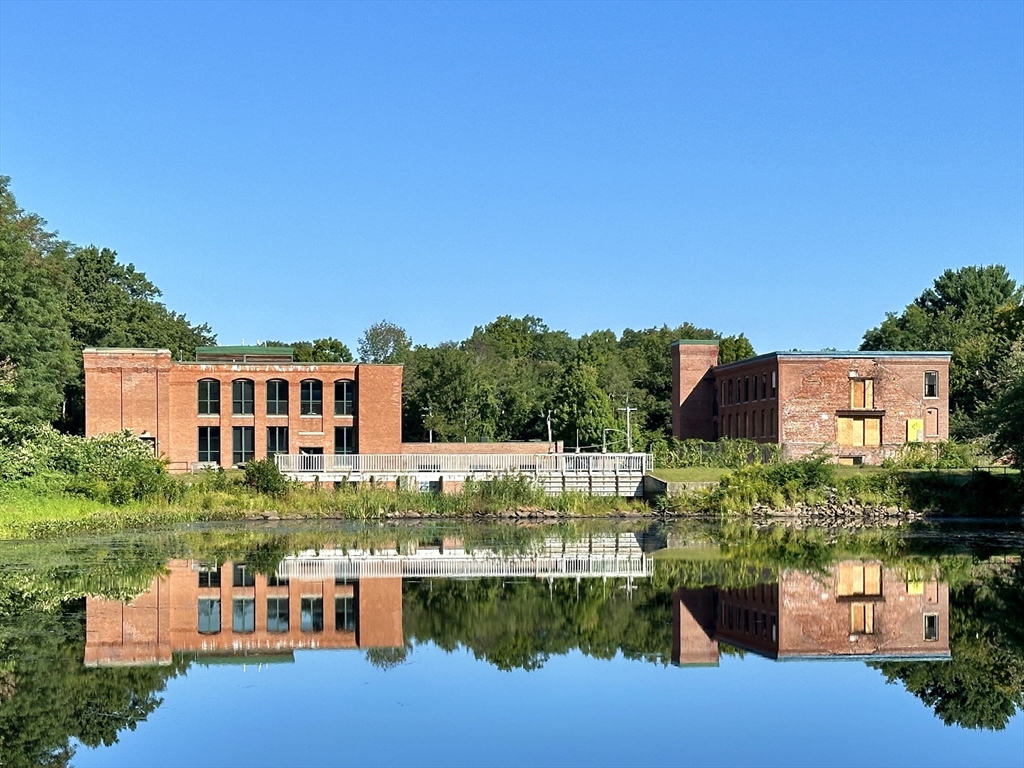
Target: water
{"x":693,"y":643}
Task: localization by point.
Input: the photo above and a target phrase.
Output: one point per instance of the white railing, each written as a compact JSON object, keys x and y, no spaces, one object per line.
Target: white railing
{"x":467,"y":464}
{"x":354,"y":568}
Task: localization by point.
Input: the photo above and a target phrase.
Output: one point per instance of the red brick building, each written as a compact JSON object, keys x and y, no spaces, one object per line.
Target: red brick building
{"x":235,"y":404}
{"x":861,"y":406}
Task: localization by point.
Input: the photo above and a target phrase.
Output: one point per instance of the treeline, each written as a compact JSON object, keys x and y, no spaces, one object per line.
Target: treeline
{"x":511,"y":379}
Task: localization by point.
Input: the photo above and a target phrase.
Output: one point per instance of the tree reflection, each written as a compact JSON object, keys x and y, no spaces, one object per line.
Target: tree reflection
{"x":982,"y":685}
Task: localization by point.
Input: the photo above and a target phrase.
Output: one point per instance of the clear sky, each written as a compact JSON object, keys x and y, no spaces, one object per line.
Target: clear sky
{"x":289,"y":171}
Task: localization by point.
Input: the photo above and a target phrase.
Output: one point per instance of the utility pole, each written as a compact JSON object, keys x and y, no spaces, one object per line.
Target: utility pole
{"x":629,"y":432}
{"x":429,"y":411}
{"x":549,"y":424}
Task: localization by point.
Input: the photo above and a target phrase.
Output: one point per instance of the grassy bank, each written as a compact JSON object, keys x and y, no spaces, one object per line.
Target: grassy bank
{"x":25,"y":512}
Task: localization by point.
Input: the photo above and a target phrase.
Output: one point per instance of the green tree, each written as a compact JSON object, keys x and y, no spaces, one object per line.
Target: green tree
{"x":35,"y":342}
{"x":580,"y":404}
{"x":964,"y":313}
{"x":328,"y":350}
{"x":444,"y":391}
{"x":384,"y":342}
{"x":1002,"y":417}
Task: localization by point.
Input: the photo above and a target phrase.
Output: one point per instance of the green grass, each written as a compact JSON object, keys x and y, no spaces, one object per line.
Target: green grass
{"x":691,"y":474}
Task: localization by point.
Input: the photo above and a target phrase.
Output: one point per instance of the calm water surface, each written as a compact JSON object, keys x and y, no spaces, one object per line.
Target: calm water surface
{"x":691,"y":643}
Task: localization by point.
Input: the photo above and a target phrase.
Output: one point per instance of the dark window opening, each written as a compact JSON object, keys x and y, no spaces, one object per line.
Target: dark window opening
{"x":209,"y":444}
{"x":242,"y":577}
{"x":931,"y":384}
{"x":344,"y":398}
{"x":345,"y":614}
{"x":277,"y":397}
{"x":209,"y":575}
{"x":243,"y":615}
{"x":242,"y":439}
{"x":277,"y":440}
{"x":311,"y":398}
{"x":931,"y":626}
{"x":209,"y":397}
{"x":242,"y":394}
{"x":344,"y":440}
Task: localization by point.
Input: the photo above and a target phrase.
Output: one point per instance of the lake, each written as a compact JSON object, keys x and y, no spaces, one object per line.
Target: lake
{"x":696,"y":642}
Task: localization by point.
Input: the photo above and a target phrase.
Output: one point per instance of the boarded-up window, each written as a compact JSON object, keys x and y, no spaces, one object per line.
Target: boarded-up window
{"x":862,"y":618}
{"x":857,"y":579}
{"x":859,"y":431}
{"x":931,"y":422}
{"x":862,"y":393}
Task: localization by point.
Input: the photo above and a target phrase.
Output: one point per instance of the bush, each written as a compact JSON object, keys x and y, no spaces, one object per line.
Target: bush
{"x":944,"y":455}
{"x":725,"y":453}
{"x":264,"y":477}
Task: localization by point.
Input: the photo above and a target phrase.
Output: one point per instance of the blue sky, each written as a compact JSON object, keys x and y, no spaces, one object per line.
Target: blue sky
{"x":791,"y":171}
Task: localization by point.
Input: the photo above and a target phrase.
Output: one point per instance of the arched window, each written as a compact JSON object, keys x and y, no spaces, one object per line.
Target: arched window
{"x":209,"y":397}
{"x":277,"y":397}
{"x":311,"y":398}
{"x":242,"y":396}
{"x":344,"y":398}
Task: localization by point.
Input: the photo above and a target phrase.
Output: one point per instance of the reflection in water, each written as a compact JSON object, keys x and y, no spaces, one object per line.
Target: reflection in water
{"x":855,"y":610}
{"x":84,"y":653}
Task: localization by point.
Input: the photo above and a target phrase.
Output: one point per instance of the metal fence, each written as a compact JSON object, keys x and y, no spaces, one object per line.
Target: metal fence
{"x":467,"y":464}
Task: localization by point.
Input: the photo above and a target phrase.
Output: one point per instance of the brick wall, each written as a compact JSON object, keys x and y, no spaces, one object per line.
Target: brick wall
{"x":693,"y":390}
{"x":813,"y":390}
{"x":747,"y":405}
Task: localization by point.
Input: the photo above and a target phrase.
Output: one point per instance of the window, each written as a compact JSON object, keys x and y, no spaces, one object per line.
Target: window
{"x":862,"y":394}
{"x":311,"y":398}
{"x":739,"y":391}
{"x":773,"y":385}
{"x":764,"y":386}
{"x":931,"y":422}
{"x":730,"y":391}
{"x":858,"y":579}
{"x":209,"y":397}
{"x":862,"y":618}
{"x":775,"y":629}
{"x":859,"y":431}
{"x":277,"y":397}
{"x":242,"y":397}
{"x":931,"y":383}
{"x":312,"y":614}
{"x":345,"y":614}
{"x":242,"y":444}
{"x":344,"y":398}
{"x":209,"y":616}
{"x":273,"y":580}
{"x":209,"y":575}
{"x":344,"y":440}
{"x":771,"y":421}
{"x":209,"y":444}
{"x":277,"y":440}
{"x":277,"y":614}
{"x":242,"y":577}
{"x":931,"y":626}
{"x":746,"y":424}
{"x":243,"y":614}
{"x":746,"y":389}
{"x":763,"y":424}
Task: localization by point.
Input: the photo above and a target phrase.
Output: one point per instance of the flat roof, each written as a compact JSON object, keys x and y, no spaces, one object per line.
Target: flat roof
{"x":709,"y":342}
{"x":830,"y":355}
{"x":147,"y":350}
{"x":244,"y":350}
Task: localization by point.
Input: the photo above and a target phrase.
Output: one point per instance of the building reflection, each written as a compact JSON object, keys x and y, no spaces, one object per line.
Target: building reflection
{"x":856,"y":609}
{"x":324,"y":599}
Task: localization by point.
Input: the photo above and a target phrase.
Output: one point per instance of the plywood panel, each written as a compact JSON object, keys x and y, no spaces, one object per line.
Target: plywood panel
{"x":872,"y":432}
{"x":873,"y":579}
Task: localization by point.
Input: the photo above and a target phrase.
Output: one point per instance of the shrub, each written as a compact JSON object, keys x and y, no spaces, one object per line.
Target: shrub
{"x":264,"y":477}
